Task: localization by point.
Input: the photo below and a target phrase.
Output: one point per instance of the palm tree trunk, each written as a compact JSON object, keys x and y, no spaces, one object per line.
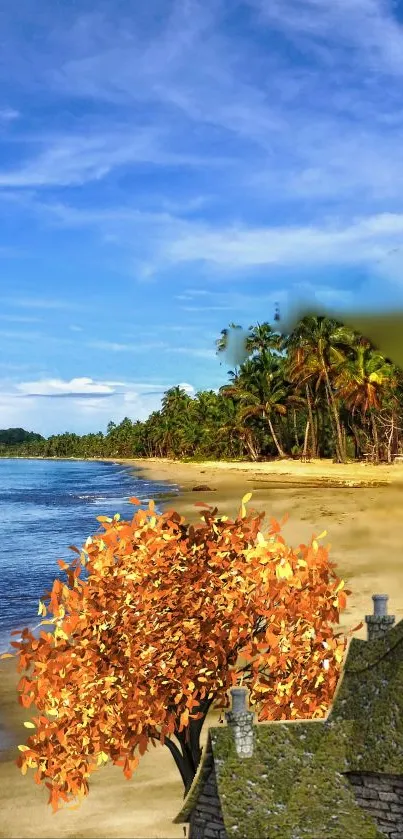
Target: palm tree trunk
{"x":375,"y":437}
{"x":311,"y":423}
{"x":317,"y":430}
{"x":357,"y":445}
{"x":395,"y":439}
{"x":319,"y":437}
{"x":335,"y":419}
{"x":390,"y":438}
{"x":305,"y":450}
{"x":276,"y":441}
{"x":343,"y":429}
{"x":251,"y":449}
{"x":332,"y":426}
{"x":294,"y":422}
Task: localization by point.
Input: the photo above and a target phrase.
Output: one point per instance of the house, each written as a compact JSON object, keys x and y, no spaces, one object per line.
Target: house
{"x":337,"y":778}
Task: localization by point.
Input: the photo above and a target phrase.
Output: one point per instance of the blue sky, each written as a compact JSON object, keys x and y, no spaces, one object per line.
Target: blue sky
{"x":169,"y":167}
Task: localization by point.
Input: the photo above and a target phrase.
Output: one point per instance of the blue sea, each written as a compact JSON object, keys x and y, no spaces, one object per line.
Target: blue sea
{"x":45,"y":506}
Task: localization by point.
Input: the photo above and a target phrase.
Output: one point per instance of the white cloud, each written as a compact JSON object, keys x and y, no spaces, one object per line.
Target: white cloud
{"x":189,"y":389}
{"x":83,"y":407}
{"x":364,"y":241}
{"x":58,"y":387}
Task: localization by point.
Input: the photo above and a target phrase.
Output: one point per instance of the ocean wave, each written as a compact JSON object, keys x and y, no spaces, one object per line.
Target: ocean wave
{"x":51,"y":506}
{"x":92,"y":496}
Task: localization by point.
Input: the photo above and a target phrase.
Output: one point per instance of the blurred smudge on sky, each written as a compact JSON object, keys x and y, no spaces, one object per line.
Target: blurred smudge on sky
{"x":384,"y":329}
{"x":236,"y":352}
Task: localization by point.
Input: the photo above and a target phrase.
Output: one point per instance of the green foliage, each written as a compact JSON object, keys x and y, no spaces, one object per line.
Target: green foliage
{"x":15,"y":436}
{"x":321,"y":391}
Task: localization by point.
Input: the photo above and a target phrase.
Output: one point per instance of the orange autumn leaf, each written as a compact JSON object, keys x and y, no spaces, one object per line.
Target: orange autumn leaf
{"x":342,"y":599}
{"x":138,"y":656}
{"x":275,"y":527}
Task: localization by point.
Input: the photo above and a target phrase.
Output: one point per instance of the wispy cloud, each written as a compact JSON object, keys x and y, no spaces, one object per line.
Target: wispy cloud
{"x":115,"y":346}
{"x":364,"y":241}
{"x":81,"y":387}
{"x":69,"y":160}
{"x":193,"y":351}
{"x":164,"y":241}
{"x":19,"y":319}
{"x":205,"y":308}
{"x":8,"y":365}
{"x":39,"y":303}
{"x":368,"y":26}
{"x":20,"y":335}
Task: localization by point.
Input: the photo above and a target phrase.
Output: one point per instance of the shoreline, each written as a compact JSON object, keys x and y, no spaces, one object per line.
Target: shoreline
{"x":282,"y":487}
{"x":317,"y":471}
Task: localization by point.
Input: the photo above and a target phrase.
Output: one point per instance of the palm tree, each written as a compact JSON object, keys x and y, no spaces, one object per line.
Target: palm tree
{"x":263,"y":339}
{"x":304,"y":372}
{"x":237,"y":432}
{"x":175,"y":400}
{"x":362,"y":377}
{"x":261,"y":391}
{"x":314,"y":347}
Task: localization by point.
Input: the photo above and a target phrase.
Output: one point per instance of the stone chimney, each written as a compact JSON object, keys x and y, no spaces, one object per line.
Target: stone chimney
{"x":380,"y":622}
{"x":241,"y":722}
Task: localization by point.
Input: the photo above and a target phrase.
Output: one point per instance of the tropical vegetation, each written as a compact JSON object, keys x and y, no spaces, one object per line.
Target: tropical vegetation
{"x":323,"y":390}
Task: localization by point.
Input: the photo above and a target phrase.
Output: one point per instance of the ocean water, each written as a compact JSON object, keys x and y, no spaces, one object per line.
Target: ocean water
{"x":45,"y":506}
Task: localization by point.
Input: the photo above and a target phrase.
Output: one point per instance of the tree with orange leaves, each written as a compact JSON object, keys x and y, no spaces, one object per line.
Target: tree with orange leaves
{"x":171,"y":616}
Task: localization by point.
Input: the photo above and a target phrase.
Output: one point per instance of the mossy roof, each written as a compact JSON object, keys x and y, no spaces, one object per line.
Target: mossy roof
{"x":294,"y":787}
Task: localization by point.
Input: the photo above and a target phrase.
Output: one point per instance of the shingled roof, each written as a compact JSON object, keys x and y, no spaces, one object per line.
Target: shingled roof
{"x":308,"y":779}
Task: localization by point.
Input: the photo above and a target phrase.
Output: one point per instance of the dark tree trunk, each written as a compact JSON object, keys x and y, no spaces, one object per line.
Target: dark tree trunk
{"x":311,"y":422}
{"x":294,"y":422}
{"x":275,"y":438}
{"x":305,"y":450}
{"x":187,"y":757}
{"x":375,"y":437}
{"x":357,"y":445}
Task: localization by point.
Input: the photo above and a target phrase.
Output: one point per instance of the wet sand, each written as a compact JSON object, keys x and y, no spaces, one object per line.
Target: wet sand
{"x":364,"y":525}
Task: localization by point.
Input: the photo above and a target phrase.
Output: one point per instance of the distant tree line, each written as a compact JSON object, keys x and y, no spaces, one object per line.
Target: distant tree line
{"x":323,"y":390}
{"x":16,"y":436}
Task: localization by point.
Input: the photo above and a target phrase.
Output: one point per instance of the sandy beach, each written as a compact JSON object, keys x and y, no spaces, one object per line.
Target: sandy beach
{"x":361,"y":508}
